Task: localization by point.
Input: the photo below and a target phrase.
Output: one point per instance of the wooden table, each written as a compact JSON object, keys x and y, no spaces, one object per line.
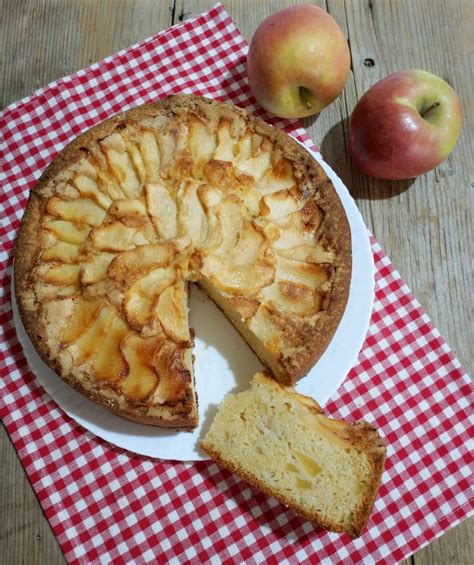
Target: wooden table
{"x":423,"y":225}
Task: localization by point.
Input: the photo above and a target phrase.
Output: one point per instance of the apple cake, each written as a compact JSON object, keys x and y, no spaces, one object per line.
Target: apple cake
{"x":133,"y":210}
{"x":282,"y":443}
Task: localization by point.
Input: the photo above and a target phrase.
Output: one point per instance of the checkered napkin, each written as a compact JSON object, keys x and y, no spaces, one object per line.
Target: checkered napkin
{"x":108,"y":505}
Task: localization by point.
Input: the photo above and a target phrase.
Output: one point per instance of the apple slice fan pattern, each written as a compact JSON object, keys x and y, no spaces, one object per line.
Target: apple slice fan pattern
{"x":105,"y":504}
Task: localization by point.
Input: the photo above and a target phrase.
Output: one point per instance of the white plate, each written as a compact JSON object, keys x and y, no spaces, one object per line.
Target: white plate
{"x":224,"y":362}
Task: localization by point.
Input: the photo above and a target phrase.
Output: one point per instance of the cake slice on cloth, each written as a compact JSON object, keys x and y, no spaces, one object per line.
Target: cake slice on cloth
{"x":282,"y":443}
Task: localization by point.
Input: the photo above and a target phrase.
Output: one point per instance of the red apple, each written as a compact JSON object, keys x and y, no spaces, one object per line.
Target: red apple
{"x":298,"y":61}
{"x":405,"y":125}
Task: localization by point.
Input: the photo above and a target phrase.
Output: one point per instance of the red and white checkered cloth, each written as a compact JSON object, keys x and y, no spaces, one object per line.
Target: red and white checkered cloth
{"x":107,"y":505}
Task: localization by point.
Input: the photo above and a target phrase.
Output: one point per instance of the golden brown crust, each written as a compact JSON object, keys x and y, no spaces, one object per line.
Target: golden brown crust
{"x":318,"y":338}
{"x":27,"y":248}
{"x":310,"y":338}
{"x":186,"y":418}
{"x":366,"y":438}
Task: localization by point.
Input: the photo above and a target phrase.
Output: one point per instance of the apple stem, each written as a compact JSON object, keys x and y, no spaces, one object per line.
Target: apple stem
{"x":306,"y":97}
{"x":428,"y":110}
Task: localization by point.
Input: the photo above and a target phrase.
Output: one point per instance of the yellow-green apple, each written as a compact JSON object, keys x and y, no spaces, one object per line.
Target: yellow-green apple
{"x":405,"y":125}
{"x":298,"y":61}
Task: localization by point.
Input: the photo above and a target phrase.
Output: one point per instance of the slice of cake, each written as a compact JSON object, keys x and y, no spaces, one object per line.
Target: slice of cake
{"x":282,"y":443}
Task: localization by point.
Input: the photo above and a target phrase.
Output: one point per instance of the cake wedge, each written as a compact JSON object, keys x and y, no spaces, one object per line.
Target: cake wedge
{"x":281,"y":442}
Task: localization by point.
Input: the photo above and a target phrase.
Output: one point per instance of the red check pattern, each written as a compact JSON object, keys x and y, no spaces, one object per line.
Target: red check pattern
{"x":107,"y":505}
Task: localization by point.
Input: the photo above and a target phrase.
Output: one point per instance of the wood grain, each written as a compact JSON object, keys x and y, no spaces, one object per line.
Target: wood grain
{"x":424,"y":226}
{"x":25,"y":534}
{"x":43,"y":40}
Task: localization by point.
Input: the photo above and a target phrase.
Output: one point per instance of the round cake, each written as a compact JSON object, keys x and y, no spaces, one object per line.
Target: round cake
{"x":183,"y":190}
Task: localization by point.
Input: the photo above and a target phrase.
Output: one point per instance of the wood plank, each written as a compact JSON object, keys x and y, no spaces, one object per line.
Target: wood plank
{"x":43,"y":40}
{"x":25,"y":534}
{"x":456,"y":547}
{"x":424,"y":226}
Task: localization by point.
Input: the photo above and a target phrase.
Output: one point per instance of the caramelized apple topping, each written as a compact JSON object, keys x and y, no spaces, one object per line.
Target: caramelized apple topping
{"x":84,"y":314}
{"x":148,"y":209}
{"x":140,"y":355}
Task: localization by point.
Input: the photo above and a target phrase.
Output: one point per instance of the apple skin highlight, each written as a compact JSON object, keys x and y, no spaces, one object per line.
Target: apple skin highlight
{"x":405,"y":125}
{"x":298,"y":61}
